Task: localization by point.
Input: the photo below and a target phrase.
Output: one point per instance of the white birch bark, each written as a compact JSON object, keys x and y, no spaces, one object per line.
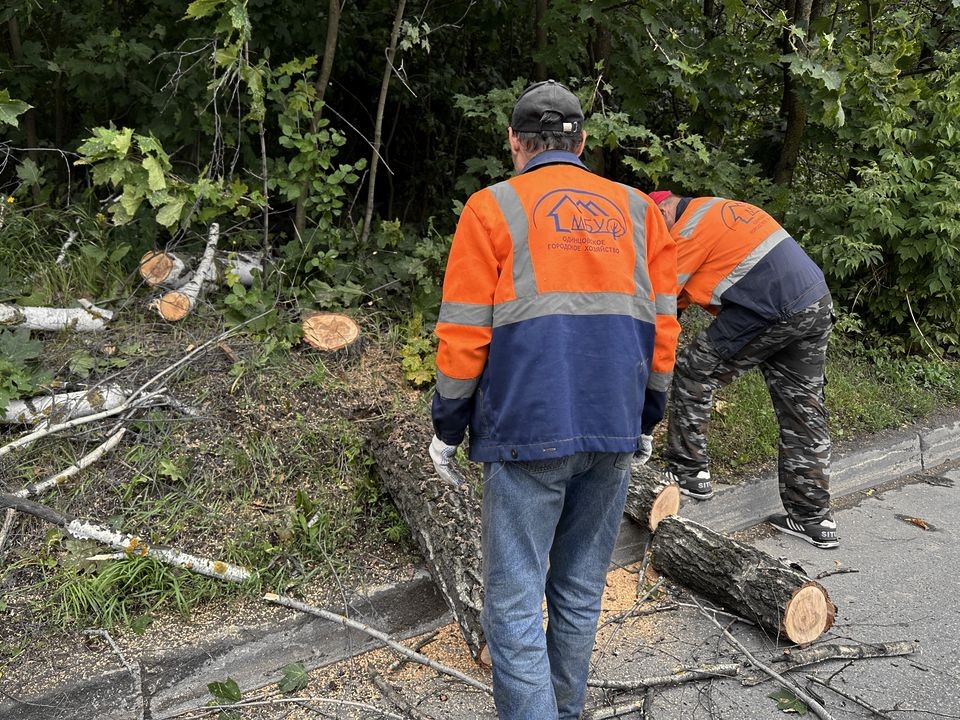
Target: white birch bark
{"x":177,"y":304}
{"x":87,"y":318}
{"x":168,"y":270}
{"x":66,"y":245}
{"x":64,"y":406}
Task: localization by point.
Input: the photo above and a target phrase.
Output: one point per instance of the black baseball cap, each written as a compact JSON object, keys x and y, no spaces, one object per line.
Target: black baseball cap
{"x":542,"y":98}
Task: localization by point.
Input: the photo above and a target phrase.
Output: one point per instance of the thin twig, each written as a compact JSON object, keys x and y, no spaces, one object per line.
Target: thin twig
{"x":420,"y":645}
{"x":849,"y":696}
{"x":805,"y":698}
{"x":707,"y":672}
{"x":392,"y":696}
{"x":213,"y":709}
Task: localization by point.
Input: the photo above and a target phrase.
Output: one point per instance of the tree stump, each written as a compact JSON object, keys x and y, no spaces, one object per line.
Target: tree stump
{"x":743,"y":580}
{"x":651,"y":497}
{"x":331,"y":332}
{"x":444,"y":520}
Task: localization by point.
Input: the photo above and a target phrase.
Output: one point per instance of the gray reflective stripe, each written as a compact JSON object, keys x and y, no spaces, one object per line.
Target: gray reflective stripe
{"x":638,"y":214}
{"x":466,"y":314}
{"x":747,"y":264}
{"x":454,"y":389}
{"x":690,"y":224}
{"x":659,"y":381}
{"x":666,"y":304}
{"x":683,"y":279}
{"x":524,"y":282}
{"x":639,"y":308}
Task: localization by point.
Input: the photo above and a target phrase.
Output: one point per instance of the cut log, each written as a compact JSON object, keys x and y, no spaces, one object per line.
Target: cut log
{"x":177,"y":304}
{"x":161,"y":268}
{"x":742,"y":579}
{"x":86,"y":318}
{"x":444,"y":520}
{"x":330,"y":332}
{"x":158,"y":268}
{"x":651,"y":497}
{"x":64,"y":406}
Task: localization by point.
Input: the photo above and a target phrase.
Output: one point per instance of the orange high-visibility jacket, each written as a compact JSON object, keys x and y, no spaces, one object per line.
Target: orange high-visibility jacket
{"x":736,"y":261}
{"x":558,"y":318}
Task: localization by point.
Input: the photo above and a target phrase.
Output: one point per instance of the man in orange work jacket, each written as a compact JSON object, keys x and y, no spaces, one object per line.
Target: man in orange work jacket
{"x":557,"y":335}
{"x":773,"y":311}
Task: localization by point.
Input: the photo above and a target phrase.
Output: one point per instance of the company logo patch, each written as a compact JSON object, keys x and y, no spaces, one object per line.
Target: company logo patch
{"x":575,"y":212}
{"x":737,"y":213}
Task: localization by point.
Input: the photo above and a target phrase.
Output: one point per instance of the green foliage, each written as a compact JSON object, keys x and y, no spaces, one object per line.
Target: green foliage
{"x":141,"y":169}
{"x":890,"y":240}
{"x":10,"y":108}
{"x":787,"y":702}
{"x":294,"y":679}
{"x":418,"y":352}
{"x":19,"y":374}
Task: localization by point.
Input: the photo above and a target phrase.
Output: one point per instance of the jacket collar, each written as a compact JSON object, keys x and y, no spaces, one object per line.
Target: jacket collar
{"x":552,"y":157}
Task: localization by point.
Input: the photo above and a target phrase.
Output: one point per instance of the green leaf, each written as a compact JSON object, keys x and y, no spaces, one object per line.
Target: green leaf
{"x":10,"y":108}
{"x":169,"y":214}
{"x":81,"y":363}
{"x":17,"y":347}
{"x":121,"y":140}
{"x":140,"y":624}
{"x":155,"y":177}
{"x":29,"y":172}
{"x":202,"y":8}
{"x":294,"y":679}
{"x":787,"y":702}
{"x":225,"y":692}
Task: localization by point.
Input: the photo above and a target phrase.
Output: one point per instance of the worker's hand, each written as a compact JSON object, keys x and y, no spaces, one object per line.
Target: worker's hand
{"x":641,"y":456}
{"x":442,"y":456}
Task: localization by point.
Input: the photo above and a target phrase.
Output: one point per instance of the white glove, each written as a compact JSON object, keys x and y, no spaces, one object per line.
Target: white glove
{"x":641,"y":456}
{"x":442,"y":456}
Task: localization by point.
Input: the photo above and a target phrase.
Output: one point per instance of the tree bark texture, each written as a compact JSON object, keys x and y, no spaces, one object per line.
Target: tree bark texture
{"x":177,"y":304}
{"x":444,"y":520}
{"x":742,"y":579}
{"x":651,"y":497}
{"x":87,"y":318}
{"x":378,"y":122}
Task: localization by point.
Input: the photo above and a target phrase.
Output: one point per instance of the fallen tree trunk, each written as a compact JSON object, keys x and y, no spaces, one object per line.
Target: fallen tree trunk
{"x":177,"y":304}
{"x":742,"y":579}
{"x":64,"y":406}
{"x":651,"y":497}
{"x":86,"y":318}
{"x":160,"y":268}
{"x":444,"y":520}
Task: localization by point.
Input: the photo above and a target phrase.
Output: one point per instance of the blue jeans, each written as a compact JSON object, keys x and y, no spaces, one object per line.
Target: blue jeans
{"x":549,"y":529}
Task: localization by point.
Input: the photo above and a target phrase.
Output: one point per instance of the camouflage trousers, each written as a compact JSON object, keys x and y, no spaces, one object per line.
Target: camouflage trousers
{"x":791,"y":355}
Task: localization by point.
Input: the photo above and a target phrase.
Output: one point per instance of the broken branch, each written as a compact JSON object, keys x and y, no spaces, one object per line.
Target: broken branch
{"x":707,"y":672}
{"x":86,"y":318}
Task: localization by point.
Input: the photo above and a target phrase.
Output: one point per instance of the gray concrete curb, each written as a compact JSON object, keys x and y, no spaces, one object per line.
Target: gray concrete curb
{"x":254,"y":656}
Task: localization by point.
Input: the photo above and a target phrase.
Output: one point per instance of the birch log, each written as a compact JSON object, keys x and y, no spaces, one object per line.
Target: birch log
{"x":64,"y":406}
{"x":86,"y":318}
{"x":177,"y":304}
{"x":651,"y":497}
{"x":130,"y":544}
{"x":742,"y":579}
{"x":160,"y":268}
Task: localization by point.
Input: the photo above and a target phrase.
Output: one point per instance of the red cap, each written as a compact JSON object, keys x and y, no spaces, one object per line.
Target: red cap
{"x":658,"y":196}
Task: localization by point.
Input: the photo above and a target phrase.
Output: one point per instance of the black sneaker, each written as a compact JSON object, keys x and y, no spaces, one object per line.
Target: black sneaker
{"x":820,"y":533}
{"x":699,"y":487}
